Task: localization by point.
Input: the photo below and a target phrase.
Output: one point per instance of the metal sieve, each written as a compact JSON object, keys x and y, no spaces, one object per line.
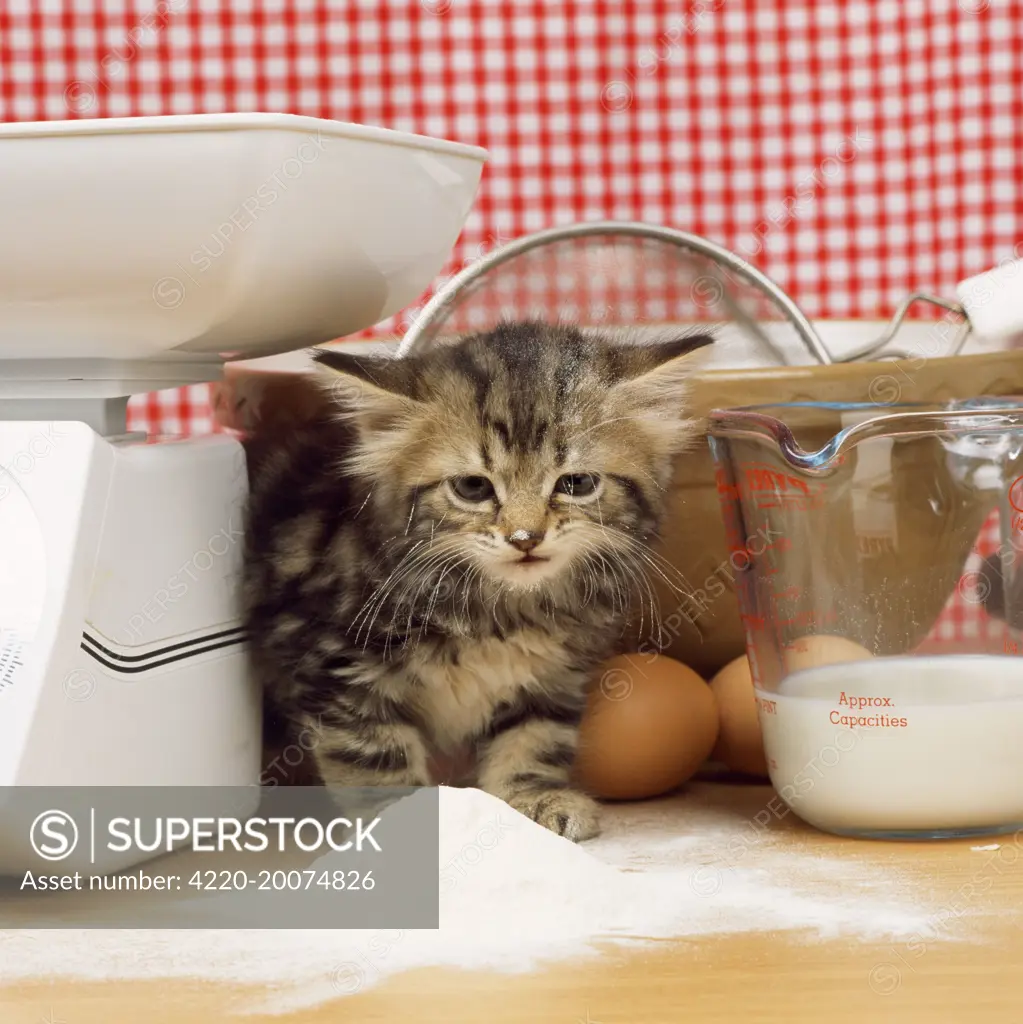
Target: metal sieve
{"x":626,"y":274}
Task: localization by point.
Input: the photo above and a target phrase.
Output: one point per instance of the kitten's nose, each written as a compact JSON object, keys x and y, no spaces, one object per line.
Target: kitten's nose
{"x":524,"y":540}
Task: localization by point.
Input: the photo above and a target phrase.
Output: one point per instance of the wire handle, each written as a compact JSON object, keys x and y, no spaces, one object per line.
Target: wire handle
{"x":875,"y":347}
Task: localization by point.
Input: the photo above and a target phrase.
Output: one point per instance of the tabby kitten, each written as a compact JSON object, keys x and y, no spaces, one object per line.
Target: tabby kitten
{"x":444,"y":558}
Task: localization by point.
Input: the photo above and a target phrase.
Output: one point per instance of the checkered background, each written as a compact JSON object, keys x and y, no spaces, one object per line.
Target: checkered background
{"x":734,"y":119}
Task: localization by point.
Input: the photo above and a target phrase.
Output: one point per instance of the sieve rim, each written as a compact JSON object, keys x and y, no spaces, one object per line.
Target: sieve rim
{"x":446,"y":296}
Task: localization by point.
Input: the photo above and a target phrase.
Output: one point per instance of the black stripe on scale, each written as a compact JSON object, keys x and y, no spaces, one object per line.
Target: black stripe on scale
{"x":635,"y":492}
{"x":182,"y":648}
{"x":124,"y":669}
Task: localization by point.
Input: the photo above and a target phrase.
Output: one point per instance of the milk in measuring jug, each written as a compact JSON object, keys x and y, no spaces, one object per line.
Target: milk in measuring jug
{"x":900,"y":744}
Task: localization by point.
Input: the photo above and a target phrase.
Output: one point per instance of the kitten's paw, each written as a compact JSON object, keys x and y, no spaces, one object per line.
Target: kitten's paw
{"x":564,"y":811}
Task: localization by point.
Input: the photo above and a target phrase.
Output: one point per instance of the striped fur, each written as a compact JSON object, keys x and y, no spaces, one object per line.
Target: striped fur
{"x":394,"y":613}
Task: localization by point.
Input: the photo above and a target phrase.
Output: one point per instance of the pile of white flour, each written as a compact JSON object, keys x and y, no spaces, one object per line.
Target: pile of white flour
{"x":516,"y":896}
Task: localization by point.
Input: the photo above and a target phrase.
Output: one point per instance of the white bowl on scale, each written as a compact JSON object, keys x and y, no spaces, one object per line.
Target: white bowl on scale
{"x":183,"y":241}
{"x":139,"y":254}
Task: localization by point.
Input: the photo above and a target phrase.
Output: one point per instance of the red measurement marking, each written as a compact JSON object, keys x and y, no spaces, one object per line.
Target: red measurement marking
{"x":1016,"y":494}
{"x":789,"y":592}
{"x":1017,"y":523}
{"x":761,"y":477}
{"x":769,"y":707}
{"x":771,"y":488}
{"x":729,"y":491}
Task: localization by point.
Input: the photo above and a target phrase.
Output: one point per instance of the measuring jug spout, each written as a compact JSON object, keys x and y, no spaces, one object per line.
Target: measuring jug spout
{"x":811,"y":439}
{"x":874,"y":511}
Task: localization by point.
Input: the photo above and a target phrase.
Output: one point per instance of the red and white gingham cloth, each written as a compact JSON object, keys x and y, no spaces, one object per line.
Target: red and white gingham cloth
{"x":855,"y":150}
{"x":963,"y":620}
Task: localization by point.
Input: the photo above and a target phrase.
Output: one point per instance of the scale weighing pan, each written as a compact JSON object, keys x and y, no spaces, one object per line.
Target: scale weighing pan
{"x":217,"y":235}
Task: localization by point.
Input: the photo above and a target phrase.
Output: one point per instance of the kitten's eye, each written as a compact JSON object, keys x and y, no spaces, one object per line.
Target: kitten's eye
{"x":473,"y":488}
{"x":577,"y":485}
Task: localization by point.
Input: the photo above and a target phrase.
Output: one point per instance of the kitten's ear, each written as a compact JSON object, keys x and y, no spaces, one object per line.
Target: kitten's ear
{"x":658,"y":372}
{"x":654,"y":382}
{"x":376,"y":391}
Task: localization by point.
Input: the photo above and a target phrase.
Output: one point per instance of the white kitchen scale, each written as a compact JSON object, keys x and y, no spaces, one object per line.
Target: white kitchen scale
{"x":140,"y":254}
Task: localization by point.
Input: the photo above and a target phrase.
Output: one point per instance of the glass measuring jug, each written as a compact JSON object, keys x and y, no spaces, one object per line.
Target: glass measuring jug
{"x":851,"y":527}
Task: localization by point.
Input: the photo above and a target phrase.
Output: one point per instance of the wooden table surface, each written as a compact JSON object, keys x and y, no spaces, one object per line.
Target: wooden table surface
{"x":764,"y":977}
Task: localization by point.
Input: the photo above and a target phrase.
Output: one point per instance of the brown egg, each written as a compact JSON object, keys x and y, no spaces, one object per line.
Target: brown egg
{"x":650,"y":723}
{"x":812,"y":651}
{"x":740,"y":745}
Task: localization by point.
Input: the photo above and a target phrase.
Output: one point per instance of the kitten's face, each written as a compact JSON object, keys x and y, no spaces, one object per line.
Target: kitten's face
{"x":527,"y":511}
{"x":526,"y":458}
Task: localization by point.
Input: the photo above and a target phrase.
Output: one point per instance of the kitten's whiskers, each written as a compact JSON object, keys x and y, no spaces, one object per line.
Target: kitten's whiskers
{"x":413,"y":561}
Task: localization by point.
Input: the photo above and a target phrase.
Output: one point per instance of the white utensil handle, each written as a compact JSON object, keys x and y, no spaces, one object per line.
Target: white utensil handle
{"x":994,"y":301}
